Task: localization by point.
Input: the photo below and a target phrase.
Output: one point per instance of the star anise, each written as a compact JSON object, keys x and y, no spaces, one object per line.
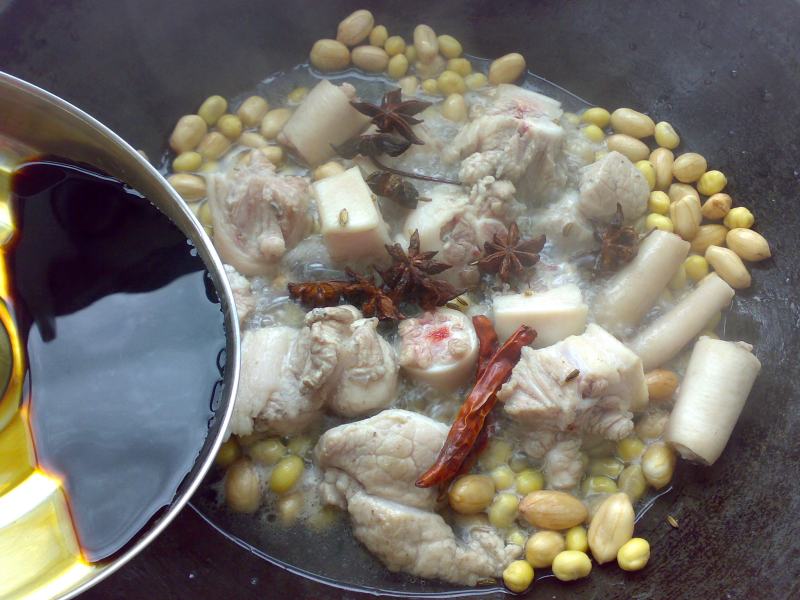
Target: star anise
{"x":375,"y":302}
{"x":409,"y":278}
{"x":619,"y":244}
{"x":372,"y":146}
{"x":393,"y":187}
{"x":316,"y":294}
{"x":357,"y":289}
{"x":509,"y":255}
{"x":394,"y":115}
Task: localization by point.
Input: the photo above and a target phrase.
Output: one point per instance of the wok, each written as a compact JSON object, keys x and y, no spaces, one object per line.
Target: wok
{"x":726,"y":74}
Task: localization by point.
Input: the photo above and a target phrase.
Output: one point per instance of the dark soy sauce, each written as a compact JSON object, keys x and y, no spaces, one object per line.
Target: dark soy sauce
{"x":122,"y":330}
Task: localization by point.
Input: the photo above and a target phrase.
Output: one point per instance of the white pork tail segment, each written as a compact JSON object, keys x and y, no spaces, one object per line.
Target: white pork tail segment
{"x":439,"y":348}
{"x":718,"y":380}
{"x":668,"y":334}
{"x":632,"y":292}
{"x":325,"y":117}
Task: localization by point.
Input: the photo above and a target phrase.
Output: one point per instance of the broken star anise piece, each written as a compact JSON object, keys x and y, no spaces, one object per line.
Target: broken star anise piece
{"x":393,"y":115}
{"x":375,"y":302}
{"x":357,"y":289}
{"x":409,"y":278}
{"x":317,"y":294}
{"x":619,"y":244}
{"x":393,"y":187}
{"x":509,"y":255}
{"x":372,"y":146}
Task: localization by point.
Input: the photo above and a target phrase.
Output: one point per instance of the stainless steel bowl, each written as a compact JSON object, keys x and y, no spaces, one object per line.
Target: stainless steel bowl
{"x":42,"y":121}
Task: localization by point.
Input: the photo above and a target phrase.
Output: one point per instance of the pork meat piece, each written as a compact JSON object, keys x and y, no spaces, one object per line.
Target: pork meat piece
{"x":367,"y":372}
{"x":385,"y":454}
{"x":370,"y":470}
{"x":560,"y":454}
{"x":421,"y":543}
{"x":515,"y":138}
{"x":513,"y":100}
{"x":519,"y":150}
{"x":243,"y":297}
{"x":613,"y":179}
{"x":336,"y":360}
{"x":262,"y":401}
{"x":257,"y":214}
{"x":455,"y":227}
{"x":340,"y":357}
{"x":570,"y":233}
{"x":585,"y":383}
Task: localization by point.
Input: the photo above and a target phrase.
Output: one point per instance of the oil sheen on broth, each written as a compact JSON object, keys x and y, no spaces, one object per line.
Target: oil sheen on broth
{"x":122,"y":331}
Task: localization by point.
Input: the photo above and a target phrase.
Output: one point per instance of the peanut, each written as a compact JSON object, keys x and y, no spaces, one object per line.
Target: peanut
{"x":355,"y":27}
{"x":611,"y":527}
{"x":548,"y":509}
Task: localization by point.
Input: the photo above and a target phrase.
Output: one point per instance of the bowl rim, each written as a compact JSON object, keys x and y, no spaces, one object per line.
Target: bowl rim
{"x":183,"y":217}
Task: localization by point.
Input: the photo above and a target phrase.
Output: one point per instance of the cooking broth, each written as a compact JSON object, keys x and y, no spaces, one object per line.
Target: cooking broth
{"x":122,"y":331}
{"x":568,"y":193}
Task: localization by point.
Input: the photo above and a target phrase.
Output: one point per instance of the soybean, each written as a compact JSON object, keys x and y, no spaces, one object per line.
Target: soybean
{"x":576,"y":539}
{"x":189,"y":131}
{"x":471,"y":494}
{"x":450,"y":82}
{"x":395,"y":45}
{"x":286,"y":474}
{"x":739,"y":217}
{"x":252,"y":111}
{"x":425,"y":43}
{"x":518,"y":576}
{"x":542,"y":547}
{"x":570,"y":565}
{"x":329,"y":55}
{"x":476,"y":81}
{"x":454,"y":108}
{"x":634,"y":554}
{"x":635,"y":150}
{"x":355,"y":27}
{"x":689,"y":167}
{"x":666,"y":136}
{"x":596,"y":116}
{"x":397,"y":67}
{"x":242,"y":487}
{"x":267,"y":452}
{"x":212,"y":109}
{"x":230,"y":126}
{"x":190,"y":187}
{"x":187,"y":161}
{"x":658,"y":464}
{"x":449,"y":46}
{"x":272,"y":123}
{"x":213,"y":146}
{"x":459,"y":65}
{"x":632,"y":123}
{"x":632,"y":482}
{"x":506,"y":69}
{"x":711,"y":182}
{"x":370,"y":58}
{"x":378,"y":36}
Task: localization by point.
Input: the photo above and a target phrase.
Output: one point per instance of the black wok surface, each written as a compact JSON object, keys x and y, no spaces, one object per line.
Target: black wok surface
{"x":726,"y":73}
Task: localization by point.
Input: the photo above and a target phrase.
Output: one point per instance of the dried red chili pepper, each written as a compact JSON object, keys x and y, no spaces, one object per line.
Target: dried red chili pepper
{"x":487,"y":346}
{"x":487,"y":341}
{"x":471,"y":417}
